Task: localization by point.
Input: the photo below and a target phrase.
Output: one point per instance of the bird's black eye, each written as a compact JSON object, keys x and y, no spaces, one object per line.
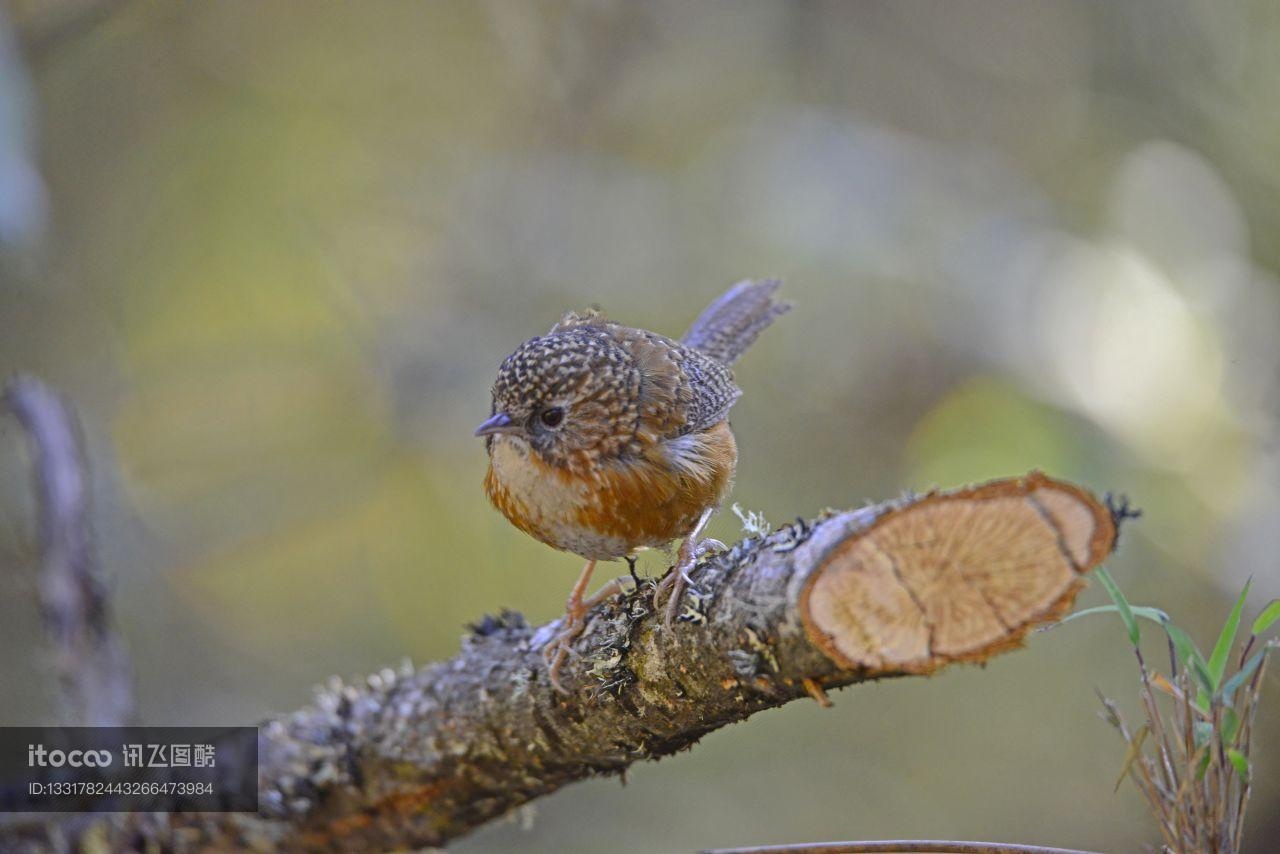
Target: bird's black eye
{"x":551,"y":417}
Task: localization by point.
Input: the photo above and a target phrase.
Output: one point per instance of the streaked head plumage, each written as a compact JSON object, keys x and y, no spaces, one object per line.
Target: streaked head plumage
{"x":570,"y":394}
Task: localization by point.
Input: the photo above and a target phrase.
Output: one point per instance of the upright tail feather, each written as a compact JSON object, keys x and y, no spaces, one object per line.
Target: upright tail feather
{"x":730,"y":325}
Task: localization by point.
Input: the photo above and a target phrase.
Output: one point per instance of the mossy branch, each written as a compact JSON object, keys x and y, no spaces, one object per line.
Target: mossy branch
{"x":416,"y":757}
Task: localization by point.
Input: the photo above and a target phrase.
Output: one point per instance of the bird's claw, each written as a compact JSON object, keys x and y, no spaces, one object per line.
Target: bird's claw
{"x":560,"y":648}
{"x":674,"y":583}
{"x":706,"y":547}
{"x":688,"y":560}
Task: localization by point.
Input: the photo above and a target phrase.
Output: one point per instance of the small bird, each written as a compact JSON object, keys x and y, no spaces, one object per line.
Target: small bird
{"x":605,"y":440}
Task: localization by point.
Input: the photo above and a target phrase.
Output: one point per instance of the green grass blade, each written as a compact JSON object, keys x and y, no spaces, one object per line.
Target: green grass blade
{"x":1230,"y":726}
{"x":1203,"y":680}
{"x":1240,"y":762}
{"x":1188,"y":654}
{"x":1241,"y":676}
{"x":1185,"y":646}
{"x":1122,"y":604}
{"x":1227,"y":639}
{"x":1269,"y":615}
{"x":1155,"y":615}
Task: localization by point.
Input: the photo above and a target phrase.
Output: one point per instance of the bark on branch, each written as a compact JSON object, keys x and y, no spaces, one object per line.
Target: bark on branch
{"x":413,"y":758}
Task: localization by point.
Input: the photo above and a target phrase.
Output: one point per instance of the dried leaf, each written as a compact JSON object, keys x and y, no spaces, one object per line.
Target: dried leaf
{"x":1163,"y":685}
{"x":1131,"y":754}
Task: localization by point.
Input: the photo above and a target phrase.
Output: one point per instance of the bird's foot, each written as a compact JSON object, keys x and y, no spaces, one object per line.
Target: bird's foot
{"x":708,"y":546}
{"x":673,"y":584}
{"x":675,"y":581}
{"x":560,"y":647}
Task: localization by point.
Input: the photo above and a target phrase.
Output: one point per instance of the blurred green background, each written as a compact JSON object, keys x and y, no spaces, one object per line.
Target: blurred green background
{"x":275,"y":253}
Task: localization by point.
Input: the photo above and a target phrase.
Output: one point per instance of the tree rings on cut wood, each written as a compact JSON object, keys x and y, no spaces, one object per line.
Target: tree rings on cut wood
{"x":955,"y":576}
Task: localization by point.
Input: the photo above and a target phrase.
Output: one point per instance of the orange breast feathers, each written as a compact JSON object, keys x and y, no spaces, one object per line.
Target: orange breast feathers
{"x":617,"y":506}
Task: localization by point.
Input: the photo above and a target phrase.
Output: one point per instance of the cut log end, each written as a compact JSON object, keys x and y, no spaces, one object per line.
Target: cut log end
{"x":955,"y":576}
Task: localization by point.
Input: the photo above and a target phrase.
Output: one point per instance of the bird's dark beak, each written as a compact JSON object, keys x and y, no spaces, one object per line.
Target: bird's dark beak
{"x":499,"y":423}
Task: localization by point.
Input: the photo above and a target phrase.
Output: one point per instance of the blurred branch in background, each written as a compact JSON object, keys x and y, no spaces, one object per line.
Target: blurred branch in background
{"x":91,"y":661}
{"x":23,"y":198}
{"x":43,"y":26}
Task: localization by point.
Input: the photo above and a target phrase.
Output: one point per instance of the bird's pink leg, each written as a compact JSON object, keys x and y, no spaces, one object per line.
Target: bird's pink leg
{"x":678,"y":578}
{"x":557,"y":649}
